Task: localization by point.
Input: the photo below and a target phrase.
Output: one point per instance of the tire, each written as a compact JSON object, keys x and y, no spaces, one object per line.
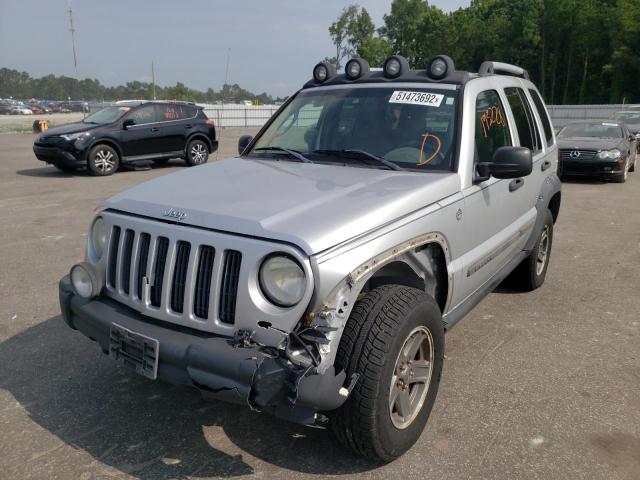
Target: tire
{"x":197,"y":153}
{"x":103,"y":160}
{"x":530,"y":274}
{"x":623,"y":176}
{"x":632,"y":168}
{"x":65,"y":168}
{"x":380,"y":325}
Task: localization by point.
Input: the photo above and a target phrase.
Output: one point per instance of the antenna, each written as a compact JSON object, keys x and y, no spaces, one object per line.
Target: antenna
{"x":73,"y":39}
{"x":153,"y":81}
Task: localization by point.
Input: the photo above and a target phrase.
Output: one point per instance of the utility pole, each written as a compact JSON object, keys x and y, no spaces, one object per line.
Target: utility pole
{"x":226,"y":74}
{"x":73,"y":39}
{"x":153,"y":81}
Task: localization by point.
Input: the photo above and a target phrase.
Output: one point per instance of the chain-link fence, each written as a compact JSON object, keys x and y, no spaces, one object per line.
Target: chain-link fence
{"x":234,"y":115}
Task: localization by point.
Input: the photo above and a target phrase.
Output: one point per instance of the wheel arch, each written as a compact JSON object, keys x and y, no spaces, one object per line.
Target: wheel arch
{"x":198,"y":136}
{"x":554,"y":205}
{"x":105,"y":141}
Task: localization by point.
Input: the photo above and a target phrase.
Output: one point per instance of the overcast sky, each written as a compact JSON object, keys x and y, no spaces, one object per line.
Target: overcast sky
{"x":274,"y":44}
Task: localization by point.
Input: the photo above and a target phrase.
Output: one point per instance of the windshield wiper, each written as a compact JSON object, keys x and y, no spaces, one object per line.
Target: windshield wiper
{"x":362,"y":153}
{"x":291,"y":153}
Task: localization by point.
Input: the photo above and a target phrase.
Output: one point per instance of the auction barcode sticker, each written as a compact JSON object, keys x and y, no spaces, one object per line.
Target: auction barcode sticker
{"x":416,"y":98}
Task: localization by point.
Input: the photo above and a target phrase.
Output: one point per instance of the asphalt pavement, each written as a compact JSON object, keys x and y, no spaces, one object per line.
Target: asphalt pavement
{"x":542,"y":385}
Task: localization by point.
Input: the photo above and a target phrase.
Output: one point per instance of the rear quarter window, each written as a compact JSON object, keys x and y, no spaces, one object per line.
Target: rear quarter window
{"x":525,"y":121}
{"x":542,"y":113}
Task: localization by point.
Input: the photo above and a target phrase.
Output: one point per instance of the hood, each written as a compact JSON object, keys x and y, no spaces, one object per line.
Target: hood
{"x":314,"y":206}
{"x":70,"y":128}
{"x":589,"y":143}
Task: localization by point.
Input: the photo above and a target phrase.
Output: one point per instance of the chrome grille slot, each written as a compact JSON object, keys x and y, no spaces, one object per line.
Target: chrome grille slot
{"x":229,"y":289}
{"x":143,"y":260}
{"x":112,"y":267}
{"x":125,"y":269}
{"x":203,"y":282}
{"x":162,"y":247}
{"x":581,"y":154}
{"x":183,"y":250}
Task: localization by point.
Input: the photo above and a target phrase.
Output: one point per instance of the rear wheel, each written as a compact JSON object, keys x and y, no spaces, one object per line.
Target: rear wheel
{"x":103,"y":160}
{"x":530,"y":274}
{"x":394,"y":341}
{"x":197,"y":153}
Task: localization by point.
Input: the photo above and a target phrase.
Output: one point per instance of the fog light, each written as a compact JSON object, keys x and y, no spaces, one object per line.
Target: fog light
{"x":84,"y":280}
{"x":395,"y":66}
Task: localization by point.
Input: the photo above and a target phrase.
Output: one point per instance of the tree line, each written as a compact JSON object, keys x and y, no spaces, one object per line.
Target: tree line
{"x":20,"y":85}
{"x":576,"y":51}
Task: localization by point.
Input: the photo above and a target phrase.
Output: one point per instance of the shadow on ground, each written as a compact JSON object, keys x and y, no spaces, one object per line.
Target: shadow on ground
{"x":144,"y":428}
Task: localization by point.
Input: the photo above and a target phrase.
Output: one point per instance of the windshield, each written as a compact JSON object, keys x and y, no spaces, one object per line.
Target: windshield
{"x":383,"y":127}
{"x":595,"y":130}
{"x":106,"y":115}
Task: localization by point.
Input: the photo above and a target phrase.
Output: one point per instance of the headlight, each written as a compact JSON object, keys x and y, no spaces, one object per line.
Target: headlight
{"x":84,"y":280}
{"x":98,"y":238}
{"x":609,"y":154}
{"x":75,"y":136}
{"x":282,"y":280}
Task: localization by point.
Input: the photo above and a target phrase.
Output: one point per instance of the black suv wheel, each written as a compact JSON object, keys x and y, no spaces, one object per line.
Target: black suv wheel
{"x":197,"y":153}
{"x":103,"y":160}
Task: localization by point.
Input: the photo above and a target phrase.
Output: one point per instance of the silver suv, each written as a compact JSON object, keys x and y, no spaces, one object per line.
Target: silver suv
{"x":314,"y":276}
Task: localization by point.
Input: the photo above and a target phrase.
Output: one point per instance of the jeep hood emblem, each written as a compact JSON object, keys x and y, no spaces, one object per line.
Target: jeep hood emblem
{"x":173,"y":213}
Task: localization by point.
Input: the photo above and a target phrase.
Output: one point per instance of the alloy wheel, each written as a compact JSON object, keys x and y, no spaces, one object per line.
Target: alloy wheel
{"x":198,"y":153}
{"x":543,"y":250}
{"x":411,"y":377}
{"x":104,"y":161}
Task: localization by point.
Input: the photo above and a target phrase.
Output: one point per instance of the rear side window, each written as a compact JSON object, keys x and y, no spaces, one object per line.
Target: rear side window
{"x":144,"y":114}
{"x":492,"y":129}
{"x":525,"y":121}
{"x":171,"y":111}
{"x":542,"y":113}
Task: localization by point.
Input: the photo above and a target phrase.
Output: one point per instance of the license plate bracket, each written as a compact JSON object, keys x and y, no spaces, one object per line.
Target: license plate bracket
{"x":134,"y":350}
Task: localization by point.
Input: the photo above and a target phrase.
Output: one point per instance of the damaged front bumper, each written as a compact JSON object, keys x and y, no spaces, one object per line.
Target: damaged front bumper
{"x":223,"y":368}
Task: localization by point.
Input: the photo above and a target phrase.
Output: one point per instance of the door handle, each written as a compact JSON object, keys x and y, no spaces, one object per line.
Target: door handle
{"x":516,"y":184}
{"x":188,"y":125}
{"x":546,"y":164}
{"x":155,"y":129}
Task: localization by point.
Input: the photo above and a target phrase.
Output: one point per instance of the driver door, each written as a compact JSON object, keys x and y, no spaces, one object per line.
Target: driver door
{"x":142,"y":138}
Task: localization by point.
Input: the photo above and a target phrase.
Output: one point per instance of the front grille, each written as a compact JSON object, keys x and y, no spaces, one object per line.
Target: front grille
{"x":581,"y":154}
{"x":157,"y":272}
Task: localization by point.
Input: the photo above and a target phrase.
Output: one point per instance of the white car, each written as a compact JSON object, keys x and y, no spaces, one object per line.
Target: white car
{"x":21,"y":110}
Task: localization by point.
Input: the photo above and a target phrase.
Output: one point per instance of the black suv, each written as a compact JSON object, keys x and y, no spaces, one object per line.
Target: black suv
{"x":130,"y":132}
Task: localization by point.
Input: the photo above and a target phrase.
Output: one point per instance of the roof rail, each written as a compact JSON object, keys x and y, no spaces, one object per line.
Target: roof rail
{"x":491,"y":68}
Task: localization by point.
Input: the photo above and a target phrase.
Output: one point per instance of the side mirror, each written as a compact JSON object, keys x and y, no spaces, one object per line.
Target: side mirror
{"x":243,"y":143}
{"x":508,"y":162}
{"x":129,"y":122}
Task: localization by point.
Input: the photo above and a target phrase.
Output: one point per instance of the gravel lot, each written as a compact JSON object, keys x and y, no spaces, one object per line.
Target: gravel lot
{"x":542,"y":385}
{"x":24,"y":123}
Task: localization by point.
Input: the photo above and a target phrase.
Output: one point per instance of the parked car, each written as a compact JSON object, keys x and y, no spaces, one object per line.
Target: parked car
{"x":631,"y":119}
{"x":5,"y":108}
{"x":314,"y":276}
{"x":20,"y":109}
{"x":597,"y":149}
{"x":128,"y":134}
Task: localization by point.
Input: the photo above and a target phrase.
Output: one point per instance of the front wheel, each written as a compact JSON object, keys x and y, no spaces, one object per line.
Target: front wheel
{"x":197,"y":153}
{"x":103,"y":160}
{"x":394,"y":341}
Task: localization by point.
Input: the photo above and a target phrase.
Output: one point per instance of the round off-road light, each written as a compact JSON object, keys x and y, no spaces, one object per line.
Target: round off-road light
{"x":84,"y":280}
{"x":323,"y":72}
{"x":395,"y":66}
{"x":282,"y":280}
{"x":439,"y":67}
{"x":98,"y":238}
{"x":356,"y":68}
